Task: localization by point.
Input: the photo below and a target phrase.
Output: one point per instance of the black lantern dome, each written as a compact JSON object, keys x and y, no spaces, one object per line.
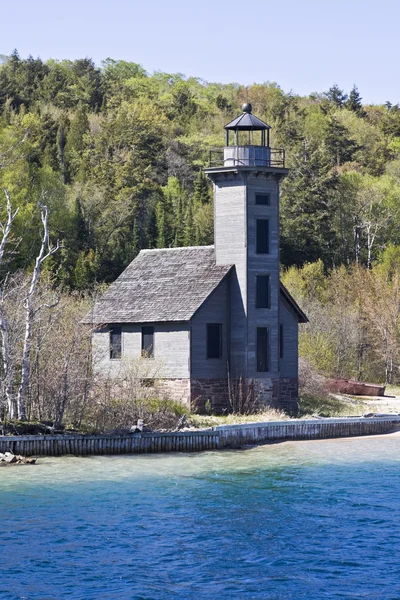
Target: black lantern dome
{"x":247,"y":122}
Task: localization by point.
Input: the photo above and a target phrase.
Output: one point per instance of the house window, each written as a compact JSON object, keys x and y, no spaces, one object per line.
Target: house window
{"x":262,"y":349}
{"x":262,"y":236}
{"x":281,"y":346}
{"x":262,"y":199}
{"x":148,"y":342}
{"x":263,"y":296}
{"x":115,"y":342}
{"x":214,"y":340}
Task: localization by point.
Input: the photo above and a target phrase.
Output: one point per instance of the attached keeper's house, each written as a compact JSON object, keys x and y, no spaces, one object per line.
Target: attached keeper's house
{"x":215,"y":314}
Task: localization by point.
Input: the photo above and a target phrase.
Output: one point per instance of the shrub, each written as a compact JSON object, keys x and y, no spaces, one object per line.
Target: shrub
{"x":314,"y":398}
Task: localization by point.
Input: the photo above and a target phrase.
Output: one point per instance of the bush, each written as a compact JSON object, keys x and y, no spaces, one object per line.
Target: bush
{"x":311,"y":383}
{"x":118,"y":403}
{"x":111,"y":413}
{"x":314,"y":398}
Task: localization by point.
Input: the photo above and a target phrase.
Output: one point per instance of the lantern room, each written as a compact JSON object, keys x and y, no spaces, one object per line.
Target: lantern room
{"x":247,"y":144}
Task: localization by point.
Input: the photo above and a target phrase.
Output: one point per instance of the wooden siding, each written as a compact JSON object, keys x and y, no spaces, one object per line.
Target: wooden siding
{"x":231,"y":248}
{"x":236,"y":213}
{"x":288,"y":365}
{"x":171,"y":349}
{"x":214,"y":310}
{"x":259,"y":264}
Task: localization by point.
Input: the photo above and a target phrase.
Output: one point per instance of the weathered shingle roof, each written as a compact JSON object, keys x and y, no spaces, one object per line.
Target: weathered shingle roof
{"x":160,"y":285}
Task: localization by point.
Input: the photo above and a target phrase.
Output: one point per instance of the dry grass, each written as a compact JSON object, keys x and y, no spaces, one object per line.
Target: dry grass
{"x":330,"y":405}
{"x":267,"y":414}
{"x":392,"y":390}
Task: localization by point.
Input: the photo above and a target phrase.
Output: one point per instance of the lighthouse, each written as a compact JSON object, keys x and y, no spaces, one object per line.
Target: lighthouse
{"x":246,"y":177}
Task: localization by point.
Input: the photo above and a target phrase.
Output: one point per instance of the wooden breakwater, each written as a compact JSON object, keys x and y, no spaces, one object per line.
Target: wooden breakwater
{"x":221,"y":437}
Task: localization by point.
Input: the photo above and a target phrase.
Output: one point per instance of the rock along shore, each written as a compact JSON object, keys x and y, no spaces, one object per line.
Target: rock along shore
{"x":8,"y":458}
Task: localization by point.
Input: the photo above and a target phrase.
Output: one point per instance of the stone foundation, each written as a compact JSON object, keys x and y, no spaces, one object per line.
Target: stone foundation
{"x":220,"y":396}
{"x":174,"y":389}
{"x":210,"y":395}
{"x":289,"y":394}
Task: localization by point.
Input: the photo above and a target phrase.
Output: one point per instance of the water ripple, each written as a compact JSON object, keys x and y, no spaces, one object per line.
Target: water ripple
{"x":304,"y":520}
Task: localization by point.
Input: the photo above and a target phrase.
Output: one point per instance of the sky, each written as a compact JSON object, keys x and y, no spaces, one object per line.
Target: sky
{"x":303,"y":45}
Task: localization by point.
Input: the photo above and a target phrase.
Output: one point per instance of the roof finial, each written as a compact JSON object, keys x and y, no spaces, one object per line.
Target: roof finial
{"x":247,"y":108}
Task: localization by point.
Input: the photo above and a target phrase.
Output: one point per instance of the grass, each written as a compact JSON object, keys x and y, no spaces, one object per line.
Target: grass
{"x":392,"y":390}
{"x":309,"y":406}
{"x":331,"y":406}
{"x":268,"y":414}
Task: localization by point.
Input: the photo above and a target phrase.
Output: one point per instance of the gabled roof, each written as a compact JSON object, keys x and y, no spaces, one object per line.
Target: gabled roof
{"x":247,"y":122}
{"x":293,"y":304}
{"x":160,"y":285}
{"x":166,"y":285}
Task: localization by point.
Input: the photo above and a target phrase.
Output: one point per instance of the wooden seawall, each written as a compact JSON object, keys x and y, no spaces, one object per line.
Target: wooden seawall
{"x":221,"y":437}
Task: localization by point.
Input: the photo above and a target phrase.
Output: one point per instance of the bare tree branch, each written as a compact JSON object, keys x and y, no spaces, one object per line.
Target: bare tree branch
{"x":8,"y":369}
{"x":46,"y":250}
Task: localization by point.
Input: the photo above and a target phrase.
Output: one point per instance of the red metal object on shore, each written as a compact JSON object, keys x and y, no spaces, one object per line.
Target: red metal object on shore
{"x":355,"y":388}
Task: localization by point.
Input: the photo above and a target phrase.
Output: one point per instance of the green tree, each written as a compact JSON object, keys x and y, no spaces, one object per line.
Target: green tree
{"x":336,"y":96}
{"x":179,"y":239}
{"x":354,"y":103}
{"x":201,"y":189}
{"x":189,"y":236}
{"x":308,"y":208}
{"x":75,"y":145}
{"x":340,"y":146}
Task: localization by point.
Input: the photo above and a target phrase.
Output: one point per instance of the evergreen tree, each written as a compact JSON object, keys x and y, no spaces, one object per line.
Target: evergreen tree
{"x":135,"y":240}
{"x":190,"y":236}
{"x":152,"y":228}
{"x":85,"y":270}
{"x":308,"y":209}
{"x":336,"y":95}
{"x":179,"y":239}
{"x":75,"y":144}
{"x":61,"y":141}
{"x":161,"y":226}
{"x":354,"y":102}
{"x":201,"y":189}
{"x":340,"y":146}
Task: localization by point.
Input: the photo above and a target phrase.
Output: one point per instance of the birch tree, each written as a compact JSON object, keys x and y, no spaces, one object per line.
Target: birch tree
{"x":46,"y":250}
{"x":8,"y":370}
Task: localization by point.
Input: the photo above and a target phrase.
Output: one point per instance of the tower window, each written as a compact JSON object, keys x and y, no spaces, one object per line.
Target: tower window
{"x":262,"y":349}
{"x":262,"y":236}
{"x":115,"y":342}
{"x":148,"y":342}
{"x":214,"y":340}
{"x":281,"y":342}
{"x":263,"y":296}
{"x":263,"y":199}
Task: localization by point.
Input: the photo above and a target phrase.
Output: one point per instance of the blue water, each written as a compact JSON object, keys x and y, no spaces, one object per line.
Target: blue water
{"x":298,"y":520}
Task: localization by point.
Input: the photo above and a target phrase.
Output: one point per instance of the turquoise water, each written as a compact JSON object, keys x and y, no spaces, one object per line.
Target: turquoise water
{"x":298,"y":520}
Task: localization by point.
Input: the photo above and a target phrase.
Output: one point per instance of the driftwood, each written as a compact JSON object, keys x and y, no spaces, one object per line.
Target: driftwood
{"x":8,"y":458}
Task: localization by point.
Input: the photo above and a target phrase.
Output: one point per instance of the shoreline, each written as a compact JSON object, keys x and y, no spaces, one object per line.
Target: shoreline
{"x":220,"y":437}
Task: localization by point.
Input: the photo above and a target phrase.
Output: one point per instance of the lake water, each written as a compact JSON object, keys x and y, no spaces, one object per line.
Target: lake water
{"x":297,"y":520}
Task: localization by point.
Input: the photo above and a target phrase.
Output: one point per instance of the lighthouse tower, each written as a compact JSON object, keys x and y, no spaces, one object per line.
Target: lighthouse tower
{"x":213,"y":315}
{"x":246,"y":176}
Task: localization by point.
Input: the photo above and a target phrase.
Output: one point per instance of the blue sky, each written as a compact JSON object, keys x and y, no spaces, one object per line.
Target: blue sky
{"x":304,"y":45}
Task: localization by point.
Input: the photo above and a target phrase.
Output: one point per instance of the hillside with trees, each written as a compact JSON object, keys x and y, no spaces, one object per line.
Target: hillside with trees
{"x":116,"y":155}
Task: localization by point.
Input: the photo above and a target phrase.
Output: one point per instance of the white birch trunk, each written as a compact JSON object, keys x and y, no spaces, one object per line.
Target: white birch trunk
{"x":45,"y":251}
{"x":8,"y":370}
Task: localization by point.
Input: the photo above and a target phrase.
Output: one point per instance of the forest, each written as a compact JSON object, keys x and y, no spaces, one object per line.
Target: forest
{"x":116,"y":155}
